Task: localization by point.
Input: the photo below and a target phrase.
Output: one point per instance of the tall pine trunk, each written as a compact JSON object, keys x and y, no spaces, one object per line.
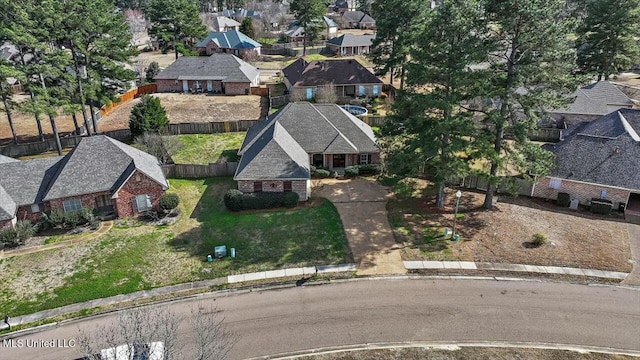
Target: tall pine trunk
{"x":304,"y":45}
{"x":497,"y":147}
{"x":32,"y":99}
{"x":54,"y":128}
{"x":74,"y":54}
{"x":93,"y":117}
{"x":75,"y":124}
{"x":5,"y":101}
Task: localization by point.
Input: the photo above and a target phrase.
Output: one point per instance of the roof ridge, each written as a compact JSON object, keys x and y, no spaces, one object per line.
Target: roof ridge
{"x":628,"y":128}
{"x":336,"y":129}
{"x":257,"y":136}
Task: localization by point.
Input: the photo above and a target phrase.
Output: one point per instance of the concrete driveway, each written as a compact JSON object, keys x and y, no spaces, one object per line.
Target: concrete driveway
{"x":362,"y":208}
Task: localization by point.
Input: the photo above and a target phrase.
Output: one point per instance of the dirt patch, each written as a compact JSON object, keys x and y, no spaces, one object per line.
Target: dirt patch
{"x":163,"y":60}
{"x":503,"y":234}
{"x":192,"y":108}
{"x":28,"y":277}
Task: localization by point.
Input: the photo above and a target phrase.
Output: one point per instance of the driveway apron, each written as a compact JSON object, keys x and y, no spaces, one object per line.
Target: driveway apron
{"x":362,"y":208}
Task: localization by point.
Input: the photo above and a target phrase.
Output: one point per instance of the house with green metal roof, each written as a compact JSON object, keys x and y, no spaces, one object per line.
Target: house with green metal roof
{"x":230,"y":42}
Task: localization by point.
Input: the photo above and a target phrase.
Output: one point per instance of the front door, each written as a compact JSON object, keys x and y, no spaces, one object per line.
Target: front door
{"x":339,"y":160}
{"x":104,"y":206}
{"x":185,"y":86}
{"x":209,"y":86}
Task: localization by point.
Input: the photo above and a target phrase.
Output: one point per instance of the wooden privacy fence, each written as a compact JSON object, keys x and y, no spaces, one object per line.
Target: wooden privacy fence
{"x":39,"y":147}
{"x":193,"y":171}
{"x":508,"y":184}
{"x":259,"y":90}
{"x":210,"y":127}
{"x":128,"y":96}
{"x":545,"y":135}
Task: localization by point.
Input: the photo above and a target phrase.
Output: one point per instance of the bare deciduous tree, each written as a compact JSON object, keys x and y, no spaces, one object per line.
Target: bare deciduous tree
{"x":298,"y":95}
{"x":161,"y":146}
{"x":326,"y":94}
{"x":146,"y":331}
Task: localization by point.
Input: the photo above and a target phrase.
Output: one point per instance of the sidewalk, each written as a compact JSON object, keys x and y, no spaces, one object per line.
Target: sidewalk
{"x":634,"y":242}
{"x":531,"y":269}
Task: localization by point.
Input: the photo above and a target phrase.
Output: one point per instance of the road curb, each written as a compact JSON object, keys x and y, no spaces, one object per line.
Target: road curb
{"x":447,"y":346}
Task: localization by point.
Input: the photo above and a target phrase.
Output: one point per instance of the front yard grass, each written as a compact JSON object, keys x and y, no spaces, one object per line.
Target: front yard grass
{"x":208,"y":148}
{"x":505,"y":233}
{"x":141,"y":257}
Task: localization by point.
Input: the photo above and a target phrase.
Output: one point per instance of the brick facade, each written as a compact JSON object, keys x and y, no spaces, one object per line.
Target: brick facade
{"x":237,"y":88}
{"x":137,"y":184}
{"x":7,"y":223}
{"x":87,"y":201}
{"x":584,"y":192}
{"x":216,"y":86}
{"x":302,"y":187}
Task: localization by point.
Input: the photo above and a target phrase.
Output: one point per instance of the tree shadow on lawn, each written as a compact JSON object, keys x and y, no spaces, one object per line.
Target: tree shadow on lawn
{"x":263,"y":240}
{"x":551,"y":206}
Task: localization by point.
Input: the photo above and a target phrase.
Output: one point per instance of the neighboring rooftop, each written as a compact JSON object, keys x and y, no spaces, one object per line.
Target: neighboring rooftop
{"x":232,"y":39}
{"x":224,"y":67}
{"x":224,"y":22}
{"x":604,"y":151}
{"x":599,"y":98}
{"x":100,"y":163}
{"x":347,"y":40}
{"x":328,"y":72}
{"x":319,"y":128}
{"x":357,"y":16}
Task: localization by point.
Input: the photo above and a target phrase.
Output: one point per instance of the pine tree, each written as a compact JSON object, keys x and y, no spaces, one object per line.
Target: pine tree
{"x":608,"y":37}
{"x":431,"y":130}
{"x":532,"y":70}
{"x":246,"y":27}
{"x":176,"y":23}
{"x":7,"y":71}
{"x":152,"y":71}
{"x":147,"y":116}
{"x":309,"y":15}
{"x":396,"y":24}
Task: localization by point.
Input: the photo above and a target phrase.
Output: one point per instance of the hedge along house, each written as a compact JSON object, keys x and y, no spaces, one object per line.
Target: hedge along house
{"x":278,"y":151}
{"x":348,"y":76}
{"x":598,"y":159}
{"x":218,"y":74}
{"x":100,"y":173}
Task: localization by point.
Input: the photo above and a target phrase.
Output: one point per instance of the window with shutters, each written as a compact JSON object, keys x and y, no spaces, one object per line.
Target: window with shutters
{"x":72,"y":205}
{"x":141,"y":203}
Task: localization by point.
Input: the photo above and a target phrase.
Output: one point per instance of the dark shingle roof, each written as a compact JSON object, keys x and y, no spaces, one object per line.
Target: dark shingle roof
{"x":320,"y":128}
{"x":604,"y":151}
{"x":225,"y":67}
{"x":232,"y":39}
{"x":100,"y":163}
{"x":348,"y":40}
{"x":357,"y":16}
{"x":596,"y":99}
{"x":326,"y":72}
{"x":223,"y":21}
{"x":273,"y":155}
{"x":26,"y":181}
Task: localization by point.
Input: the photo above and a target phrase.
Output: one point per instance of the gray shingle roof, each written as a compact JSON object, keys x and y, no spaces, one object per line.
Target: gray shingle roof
{"x":8,"y":207}
{"x":223,"y":21}
{"x":225,"y":67}
{"x":325,"y":72}
{"x":320,"y":128}
{"x":26,"y":181}
{"x":100,"y":163}
{"x":349,"y":40}
{"x":273,"y":155}
{"x":357,"y":16}
{"x":6,"y":159}
{"x":232,"y":39}
{"x":604,"y":151}
{"x":596,"y":99}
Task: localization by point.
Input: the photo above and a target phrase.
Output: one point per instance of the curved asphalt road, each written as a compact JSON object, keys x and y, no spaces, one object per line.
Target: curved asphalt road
{"x":367,"y":311}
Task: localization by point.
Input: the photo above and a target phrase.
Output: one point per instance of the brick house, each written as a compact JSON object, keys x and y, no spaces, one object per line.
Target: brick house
{"x":590,"y":103}
{"x":229,"y":42}
{"x":217,"y":74}
{"x":350,"y":44}
{"x":110,"y":177}
{"x":348,"y":76}
{"x":277,"y":153}
{"x":357,"y":20}
{"x":598,"y":159}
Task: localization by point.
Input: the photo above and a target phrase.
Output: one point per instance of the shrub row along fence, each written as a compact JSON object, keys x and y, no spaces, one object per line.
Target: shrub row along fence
{"x":192,"y":171}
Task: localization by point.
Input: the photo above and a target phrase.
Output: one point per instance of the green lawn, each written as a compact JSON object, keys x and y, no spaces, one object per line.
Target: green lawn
{"x":129,"y":259}
{"x":208,"y":148}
